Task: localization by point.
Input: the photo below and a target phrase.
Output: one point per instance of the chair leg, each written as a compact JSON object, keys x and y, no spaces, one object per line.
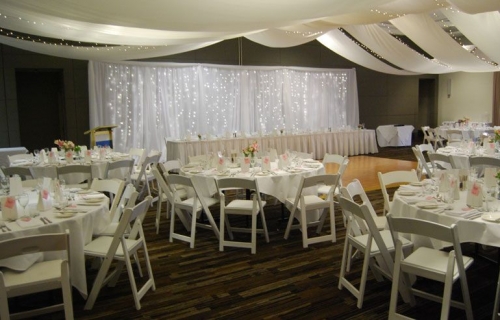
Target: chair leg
{"x":158,"y":212}
{"x":395,"y":284}
{"x":497,"y":297}
{"x":222,"y":228}
{"x":289,"y":224}
{"x":172,"y":222}
{"x":346,"y":252}
{"x":193,"y":229}
{"x":66,"y":290}
{"x":364,"y":276}
{"x":131,"y":279}
{"x":254,"y":233}
{"x":303,"y":227}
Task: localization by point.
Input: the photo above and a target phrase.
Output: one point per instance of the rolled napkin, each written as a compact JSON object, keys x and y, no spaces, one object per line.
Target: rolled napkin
{"x":28,"y":222}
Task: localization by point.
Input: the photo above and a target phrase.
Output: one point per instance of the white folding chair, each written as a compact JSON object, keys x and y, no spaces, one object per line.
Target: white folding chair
{"x":363,"y":235}
{"x":435,"y":137}
{"x":252,"y":208}
{"x":438,"y":265}
{"x":354,"y":189}
{"x":121,"y":247}
{"x":342,"y":162}
{"x":440,"y":161}
{"x":23,"y":172}
{"x":423,"y":167}
{"x":144,"y":177}
{"x":188,"y":210}
{"x":114,"y":187}
{"x":393,"y":178}
{"x":164,"y":194}
{"x":127,"y":200}
{"x":303,"y":202}
{"x":139,"y":155}
{"x":41,"y":276}
{"x":20,"y":158}
{"x":121,"y":169}
{"x":76,"y":174}
{"x":454,"y":137}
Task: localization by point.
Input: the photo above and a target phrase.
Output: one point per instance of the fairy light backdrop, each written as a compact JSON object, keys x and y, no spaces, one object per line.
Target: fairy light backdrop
{"x":151,"y":102}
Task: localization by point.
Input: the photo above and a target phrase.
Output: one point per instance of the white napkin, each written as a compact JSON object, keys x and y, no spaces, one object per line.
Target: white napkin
{"x":16,"y":186}
{"x":412,"y":199}
{"x":9,"y":208}
{"x":475,"y":195}
{"x":245,"y":164}
{"x":466,"y":213}
{"x":266,"y":163}
{"x":221,"y":164}
{"x":28,"y":222}
{"x":44,"y":200}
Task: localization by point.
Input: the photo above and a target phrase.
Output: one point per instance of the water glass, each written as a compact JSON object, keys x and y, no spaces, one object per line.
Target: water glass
{"x":5,"y":183}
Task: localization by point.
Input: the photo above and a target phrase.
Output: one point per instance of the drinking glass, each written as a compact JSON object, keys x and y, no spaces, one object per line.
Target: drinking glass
{"x":5,"y":185}
{"x":24,"y":199}
{"x":36,"y":153}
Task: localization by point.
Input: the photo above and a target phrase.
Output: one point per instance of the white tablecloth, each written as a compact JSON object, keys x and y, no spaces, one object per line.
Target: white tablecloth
{"x":394,"y":136}
{"x":50,"y":170}
{"x":81,"y":228}
{"x":353,"y":142}
{"x":468,"y":133}
{"x":476,"y":230}
{"x":461,"y":155}
{"x":280,"y":184}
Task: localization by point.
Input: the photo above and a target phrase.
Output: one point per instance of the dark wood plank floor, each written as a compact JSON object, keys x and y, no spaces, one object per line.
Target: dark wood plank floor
{"x":282,"y":281}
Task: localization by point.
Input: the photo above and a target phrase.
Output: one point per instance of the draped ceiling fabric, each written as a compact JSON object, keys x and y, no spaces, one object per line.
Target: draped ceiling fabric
{"x":118,"y":30}
{"x":150,"y":101}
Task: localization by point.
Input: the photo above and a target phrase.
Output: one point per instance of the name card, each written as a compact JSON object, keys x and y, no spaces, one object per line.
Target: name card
{"x":69,"y":156}
{"x":53,"y":157}
{"x":44,"y":200}
{"x":283,"y":161}
{"x":88,"y":156}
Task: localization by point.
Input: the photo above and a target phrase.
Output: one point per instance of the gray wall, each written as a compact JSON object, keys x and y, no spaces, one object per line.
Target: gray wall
{"x":383,"y":98}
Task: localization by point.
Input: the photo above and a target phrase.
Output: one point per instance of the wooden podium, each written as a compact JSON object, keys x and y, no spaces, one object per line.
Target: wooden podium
{"x":101,"y":136}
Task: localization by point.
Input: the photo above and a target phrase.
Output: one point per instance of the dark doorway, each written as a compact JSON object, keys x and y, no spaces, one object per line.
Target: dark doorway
{"x":40,"y":105}
{"x":427,"y":111}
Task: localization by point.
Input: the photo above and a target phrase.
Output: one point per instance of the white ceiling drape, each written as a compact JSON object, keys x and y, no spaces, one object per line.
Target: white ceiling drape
{"x":117,"y":30}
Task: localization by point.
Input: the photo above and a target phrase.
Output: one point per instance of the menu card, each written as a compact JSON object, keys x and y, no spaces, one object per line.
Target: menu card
{"x":68,"y":156}
{"x":88,"y":156}
{"x":44,"y":200}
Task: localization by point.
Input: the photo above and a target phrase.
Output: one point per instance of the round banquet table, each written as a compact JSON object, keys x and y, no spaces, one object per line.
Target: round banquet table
{"x":474,"y":229}
{"x":281,"y":184}
{"x":98,"y":166}
{"x":461,"y":155}
{"x":82,"y":219}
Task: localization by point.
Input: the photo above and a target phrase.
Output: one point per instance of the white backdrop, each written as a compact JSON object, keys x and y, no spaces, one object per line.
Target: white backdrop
{"x":151,"y":101}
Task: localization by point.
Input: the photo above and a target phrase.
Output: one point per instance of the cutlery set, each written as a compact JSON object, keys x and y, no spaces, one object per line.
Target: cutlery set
{"x":4,"y":228}
{"x":45,"y":220}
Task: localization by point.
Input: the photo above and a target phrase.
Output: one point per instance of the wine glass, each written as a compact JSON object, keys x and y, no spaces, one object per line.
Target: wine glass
{"x":5,"y":184}
{"x":36,"y":153}
{"x":23,"y":201}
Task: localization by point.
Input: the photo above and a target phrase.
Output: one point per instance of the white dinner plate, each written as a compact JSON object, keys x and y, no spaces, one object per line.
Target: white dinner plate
{"x":85,"y":191}
{"x":93,"y":200}
{"x":406,"y":193}
{"x":263,"y":173}
{"x":427,"y":205}
{"x":294,"y":170}
{"x":416,"y":184}
{"x":491,"y":217}
{"x":65,"y":214}
{"x":194,"y":171}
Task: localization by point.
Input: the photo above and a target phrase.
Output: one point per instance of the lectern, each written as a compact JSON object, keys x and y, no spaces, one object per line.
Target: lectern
{"x":101,"y":136}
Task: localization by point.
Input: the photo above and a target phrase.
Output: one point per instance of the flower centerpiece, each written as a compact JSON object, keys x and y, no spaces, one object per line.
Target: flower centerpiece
{"x":65,"y":145}
{"x":251,"y":149}
{"x":464,"y":120}
{"x":497,"y":135}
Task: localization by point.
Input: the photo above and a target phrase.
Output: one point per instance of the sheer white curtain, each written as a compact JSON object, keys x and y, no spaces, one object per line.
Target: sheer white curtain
{"x":149,"y":101}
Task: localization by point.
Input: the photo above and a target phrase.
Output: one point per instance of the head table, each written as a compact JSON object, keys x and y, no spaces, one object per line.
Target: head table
{"x":82,"y":218}
{"x":346,"y":142}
